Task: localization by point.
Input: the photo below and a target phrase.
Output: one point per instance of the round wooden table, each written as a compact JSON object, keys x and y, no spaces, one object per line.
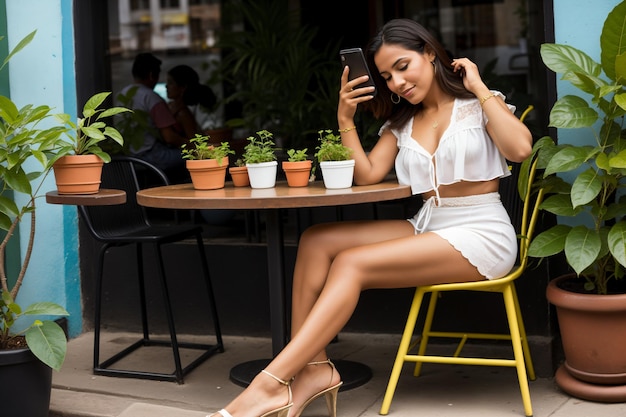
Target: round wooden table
{"x":271,"y":200}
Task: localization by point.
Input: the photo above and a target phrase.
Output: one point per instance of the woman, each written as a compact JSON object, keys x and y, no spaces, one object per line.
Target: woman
{"x":449,"y":136}
{"x":184,"y":90}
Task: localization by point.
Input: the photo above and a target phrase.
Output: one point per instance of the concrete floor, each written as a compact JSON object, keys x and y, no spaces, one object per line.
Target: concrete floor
{"x":442,"y":390}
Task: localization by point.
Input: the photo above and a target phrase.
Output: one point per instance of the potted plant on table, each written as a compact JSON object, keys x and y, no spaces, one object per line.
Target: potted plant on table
{"x":206,"y":162}
{"x":335,"y":160}
{"x":297,"y":168}
{"x":586,"y":182}
{"x":78,"y":163}
{"x":260,"y":158}
{"x":239,"y":173}
{"x":30,"y":346}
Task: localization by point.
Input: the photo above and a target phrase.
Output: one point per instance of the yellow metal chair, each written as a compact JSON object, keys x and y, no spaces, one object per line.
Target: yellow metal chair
{"x":505,"y":286}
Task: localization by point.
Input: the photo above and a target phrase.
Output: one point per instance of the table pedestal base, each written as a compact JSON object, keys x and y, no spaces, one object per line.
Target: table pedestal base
{"x":353,"y":374}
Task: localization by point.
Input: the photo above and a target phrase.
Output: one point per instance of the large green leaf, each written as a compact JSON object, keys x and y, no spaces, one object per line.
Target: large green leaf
{"x":565,"y":58}
{"x":586,"y":187}
{"x":613,"y":39}
{"x":582,"y":247}
{"x":568,"y":158}
{"x":46,"y":308}
{"x":617,"y":242}
{"x":560,"y":204}
{"x":48,"y":343}
{"x":571,"y":112}
{"x":550,"y":242}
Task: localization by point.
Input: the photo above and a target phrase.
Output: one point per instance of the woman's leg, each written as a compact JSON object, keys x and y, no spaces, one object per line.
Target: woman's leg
{"x":318,"y":247}
{"x":389,"y":262}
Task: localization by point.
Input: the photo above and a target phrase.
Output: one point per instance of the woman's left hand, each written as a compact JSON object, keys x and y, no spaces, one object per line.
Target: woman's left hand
{"x":471,"y":76}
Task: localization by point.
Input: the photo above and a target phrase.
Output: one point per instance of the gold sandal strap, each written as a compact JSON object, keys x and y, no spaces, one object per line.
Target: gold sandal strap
{"x":329,"y":362}
{"x":280,"y":381}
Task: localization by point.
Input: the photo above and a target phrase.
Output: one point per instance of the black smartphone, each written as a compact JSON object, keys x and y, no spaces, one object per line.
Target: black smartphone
{"x":355,"y":59}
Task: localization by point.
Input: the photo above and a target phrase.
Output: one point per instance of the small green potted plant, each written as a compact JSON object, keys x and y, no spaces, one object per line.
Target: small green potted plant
{"x":297,"y":167}
{"x":78,"y":162}
{"x":335,"y":160}
{"x":260,"y":158}
{"x":206,"y":162}
{"x":239,"y":173}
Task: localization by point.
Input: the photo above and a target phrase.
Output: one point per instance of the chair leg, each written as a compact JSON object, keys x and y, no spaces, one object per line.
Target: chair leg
{"x":142,"y":292}
{"x":169,"y":314}
{"x":428,"y":324}
{"x":530,"y":368}
{"x":98,"y":306}
{"x":405,"y":342}
{"x":518,"y":352}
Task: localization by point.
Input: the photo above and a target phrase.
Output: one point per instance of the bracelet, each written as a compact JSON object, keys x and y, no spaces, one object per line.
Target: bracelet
{"x":483,"y":99}
{"x":347,"y":129}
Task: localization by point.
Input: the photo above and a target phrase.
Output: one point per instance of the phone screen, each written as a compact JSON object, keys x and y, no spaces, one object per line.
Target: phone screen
{"x":355,"y":59}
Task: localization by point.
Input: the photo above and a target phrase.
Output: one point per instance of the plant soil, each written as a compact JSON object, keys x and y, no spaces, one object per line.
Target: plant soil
{"x":18,"y":342}
{"x":577,"y":285}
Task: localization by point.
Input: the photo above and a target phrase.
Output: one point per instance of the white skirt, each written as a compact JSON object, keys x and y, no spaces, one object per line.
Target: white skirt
{"x":478,"y":226}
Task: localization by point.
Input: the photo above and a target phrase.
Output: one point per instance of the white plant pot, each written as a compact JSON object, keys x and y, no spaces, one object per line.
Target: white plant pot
{"x":337,"y":174}
{"x":263,"y":175}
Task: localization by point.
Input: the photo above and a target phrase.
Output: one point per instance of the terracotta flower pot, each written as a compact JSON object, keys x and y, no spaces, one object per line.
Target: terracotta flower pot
{"x":239,"y":175}
{"x":297,"y":173}
{"x":78,"y":174}
{"x":207,"y":174}
{"x":593,"y":333}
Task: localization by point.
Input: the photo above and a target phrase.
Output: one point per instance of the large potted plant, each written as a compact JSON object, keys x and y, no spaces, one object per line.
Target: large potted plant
{"x":31,"y":342}
{"x":586,"y":182}
{"x":335,"y":160}
{"x":78,"y":164}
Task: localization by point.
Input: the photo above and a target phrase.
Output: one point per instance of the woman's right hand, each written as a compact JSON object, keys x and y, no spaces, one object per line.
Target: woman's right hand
{"x":350,"y":96}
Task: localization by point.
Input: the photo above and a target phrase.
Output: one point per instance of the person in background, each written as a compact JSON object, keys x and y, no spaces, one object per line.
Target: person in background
{"x":185,"y":92}
{"x":161,"y":140}
{"x":449,"y":137}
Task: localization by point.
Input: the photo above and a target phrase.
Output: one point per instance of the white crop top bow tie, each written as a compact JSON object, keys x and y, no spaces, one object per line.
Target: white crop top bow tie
{"x":465,"y":153}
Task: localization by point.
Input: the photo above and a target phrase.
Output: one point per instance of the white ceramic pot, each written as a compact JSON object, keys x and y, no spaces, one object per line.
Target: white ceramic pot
{"x":263,"y":175}
{"x":337,"y":174}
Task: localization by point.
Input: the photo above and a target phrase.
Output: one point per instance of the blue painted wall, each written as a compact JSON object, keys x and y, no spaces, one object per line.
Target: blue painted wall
{"x":43,"y":73}
{"x":578,"y":23}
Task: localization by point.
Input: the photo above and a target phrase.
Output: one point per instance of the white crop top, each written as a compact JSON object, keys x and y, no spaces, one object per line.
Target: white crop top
{"x":465,"y":151}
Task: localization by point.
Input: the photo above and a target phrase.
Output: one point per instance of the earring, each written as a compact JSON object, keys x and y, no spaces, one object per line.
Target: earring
{"x":434,"y":66}
{"x":397,"y":100}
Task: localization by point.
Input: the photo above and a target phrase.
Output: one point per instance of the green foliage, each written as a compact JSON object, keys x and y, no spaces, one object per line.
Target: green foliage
{"x":294,"y":155}
{"x":92,"y":129}
{"x":199,"y":147}
{"x":331,"y":148}
{"x":24,"y":137}
{"x":281,"y":80}
{"x":586,"y":181}
{"x":259,"y":148}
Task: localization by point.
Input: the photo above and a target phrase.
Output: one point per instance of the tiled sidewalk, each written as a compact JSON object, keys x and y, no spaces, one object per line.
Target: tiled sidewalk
{"x":442,"y":390}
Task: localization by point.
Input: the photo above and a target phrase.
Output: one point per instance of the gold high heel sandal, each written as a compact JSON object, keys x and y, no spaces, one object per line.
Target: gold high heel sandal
{"x":279,"y":412}
{"x":329,"y":393}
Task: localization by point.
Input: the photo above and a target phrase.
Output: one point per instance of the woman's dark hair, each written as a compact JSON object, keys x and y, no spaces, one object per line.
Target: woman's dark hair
{"x":195,"y":93}
{"x":412,"y":36}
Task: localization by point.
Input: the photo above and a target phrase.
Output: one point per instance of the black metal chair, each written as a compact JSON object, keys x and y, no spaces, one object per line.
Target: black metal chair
{"x":128,"y":224}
